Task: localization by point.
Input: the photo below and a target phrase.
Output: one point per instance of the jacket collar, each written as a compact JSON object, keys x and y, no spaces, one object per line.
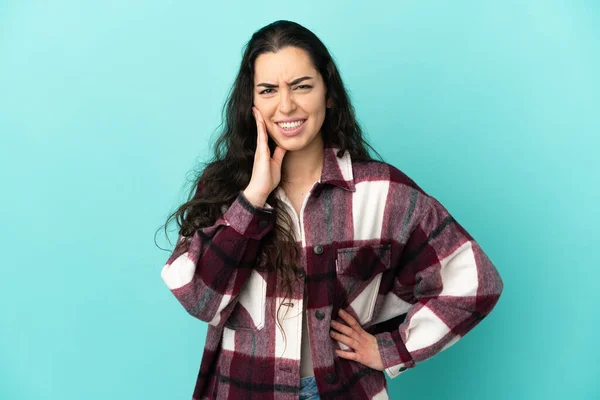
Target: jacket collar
{"x":336,"y":170}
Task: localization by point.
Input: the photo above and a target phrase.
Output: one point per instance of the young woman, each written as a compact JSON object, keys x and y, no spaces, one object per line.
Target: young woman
{"x":316,"y":266}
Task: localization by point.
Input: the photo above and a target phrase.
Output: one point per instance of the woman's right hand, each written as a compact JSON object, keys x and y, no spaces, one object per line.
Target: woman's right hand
{"x":266,"y":171}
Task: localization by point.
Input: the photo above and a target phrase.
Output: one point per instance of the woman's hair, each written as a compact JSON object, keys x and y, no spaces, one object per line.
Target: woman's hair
{"x":229,"y":172}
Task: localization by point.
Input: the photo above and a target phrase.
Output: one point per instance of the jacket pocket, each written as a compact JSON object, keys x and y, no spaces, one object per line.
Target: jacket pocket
{"x":249,"y":311}
{"x":359,"y":272}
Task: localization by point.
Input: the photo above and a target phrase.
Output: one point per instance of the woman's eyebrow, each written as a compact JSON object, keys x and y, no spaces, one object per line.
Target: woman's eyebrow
{"x":292,"y":83}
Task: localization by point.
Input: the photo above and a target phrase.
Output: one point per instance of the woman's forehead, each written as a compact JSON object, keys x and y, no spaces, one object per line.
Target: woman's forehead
{"x":285,"y":65}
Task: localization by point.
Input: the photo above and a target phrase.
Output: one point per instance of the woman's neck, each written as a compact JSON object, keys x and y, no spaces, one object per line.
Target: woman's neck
{"x":304,"y":166}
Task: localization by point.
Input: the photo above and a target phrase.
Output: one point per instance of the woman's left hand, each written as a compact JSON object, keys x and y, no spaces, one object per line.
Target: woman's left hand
{"x":354,"y":336}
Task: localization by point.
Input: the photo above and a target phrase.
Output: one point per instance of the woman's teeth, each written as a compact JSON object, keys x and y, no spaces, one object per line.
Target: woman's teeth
{"x":290,"y":125}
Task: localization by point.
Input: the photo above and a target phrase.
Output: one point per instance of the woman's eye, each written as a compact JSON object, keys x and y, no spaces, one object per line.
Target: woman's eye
{"x":270,"y":91}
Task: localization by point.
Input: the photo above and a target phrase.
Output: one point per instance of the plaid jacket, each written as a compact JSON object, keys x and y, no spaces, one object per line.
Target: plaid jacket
{"x":374,"y":244}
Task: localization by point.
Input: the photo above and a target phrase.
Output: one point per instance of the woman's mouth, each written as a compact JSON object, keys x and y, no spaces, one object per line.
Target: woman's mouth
{"x":291,"y":128}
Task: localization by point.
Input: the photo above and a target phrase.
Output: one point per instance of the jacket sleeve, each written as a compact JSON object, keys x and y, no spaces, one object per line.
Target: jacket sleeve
{"x":445,"y":284}
{"x":207,"y":270}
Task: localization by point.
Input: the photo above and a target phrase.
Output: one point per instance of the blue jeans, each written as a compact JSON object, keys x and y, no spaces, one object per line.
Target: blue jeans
{"x":308,"y":388}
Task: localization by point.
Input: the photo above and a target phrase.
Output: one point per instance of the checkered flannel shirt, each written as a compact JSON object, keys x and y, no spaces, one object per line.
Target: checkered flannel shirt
{"x":372,"y":243}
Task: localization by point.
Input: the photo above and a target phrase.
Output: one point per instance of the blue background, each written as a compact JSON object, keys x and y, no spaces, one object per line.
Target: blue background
{"x":106,"y":107}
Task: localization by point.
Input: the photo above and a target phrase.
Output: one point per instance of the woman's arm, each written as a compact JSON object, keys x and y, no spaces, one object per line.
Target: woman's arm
{"x":207,"y":271}
{"x":453,"y":282}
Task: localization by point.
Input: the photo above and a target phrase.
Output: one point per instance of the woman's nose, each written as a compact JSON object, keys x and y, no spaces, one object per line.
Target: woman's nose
{"x":286,"y":102}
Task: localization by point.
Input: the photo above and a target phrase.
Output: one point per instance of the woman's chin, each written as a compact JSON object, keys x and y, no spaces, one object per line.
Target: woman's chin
{"x":295,"y":143}
{"x":293,"y":146}
{"x":290,"y":144}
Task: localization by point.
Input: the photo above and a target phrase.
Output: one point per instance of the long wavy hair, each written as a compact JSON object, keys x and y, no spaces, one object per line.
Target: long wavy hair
{"x":221,"y":180}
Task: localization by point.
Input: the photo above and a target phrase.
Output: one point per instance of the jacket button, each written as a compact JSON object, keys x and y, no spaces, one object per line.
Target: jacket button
{"x":318,"y":249}
{"x":319,"y":314}
{"x":263,"y":224}
{"x":330,"y":378}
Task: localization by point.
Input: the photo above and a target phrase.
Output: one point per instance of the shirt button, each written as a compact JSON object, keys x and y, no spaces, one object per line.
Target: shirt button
{"x":331,"y":378}
{"x":318,"y":249}
{"x":263,"y":224}
{"x":300,"y":273}
{"x":319,"y":314}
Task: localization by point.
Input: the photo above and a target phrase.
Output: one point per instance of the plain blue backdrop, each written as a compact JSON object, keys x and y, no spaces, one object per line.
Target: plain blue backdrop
{"x":106,"y":107}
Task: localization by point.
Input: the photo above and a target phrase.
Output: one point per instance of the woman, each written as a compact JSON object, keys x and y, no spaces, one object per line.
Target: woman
{"x":316,"y":267}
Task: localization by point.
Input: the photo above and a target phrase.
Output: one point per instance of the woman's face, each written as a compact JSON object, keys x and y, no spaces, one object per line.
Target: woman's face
{"x":290,"y":94}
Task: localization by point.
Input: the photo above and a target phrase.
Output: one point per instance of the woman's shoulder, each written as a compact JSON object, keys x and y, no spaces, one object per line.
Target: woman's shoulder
{"x":381,"y":184}
{"x":381,"y":171}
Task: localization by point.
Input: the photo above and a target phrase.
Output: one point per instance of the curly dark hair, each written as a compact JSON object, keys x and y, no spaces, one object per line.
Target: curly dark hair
{"x":221,"y":180}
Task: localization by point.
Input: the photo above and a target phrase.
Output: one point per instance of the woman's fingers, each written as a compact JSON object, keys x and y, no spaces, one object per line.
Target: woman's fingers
{"x":266,"y":171}
{"x":258,"y":130}
{"x":349,"y":319}
{"x":347,"y":335}
{"x":278,"y":155}
{"x":262,"y":139}
{"x":348,"y":355}
{"x":344,"y":339}
{"x":346,"y":330}
{"x":363,"y":345}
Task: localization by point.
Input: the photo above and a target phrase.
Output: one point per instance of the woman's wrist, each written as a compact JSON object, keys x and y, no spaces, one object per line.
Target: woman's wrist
{"x":256,"y":199}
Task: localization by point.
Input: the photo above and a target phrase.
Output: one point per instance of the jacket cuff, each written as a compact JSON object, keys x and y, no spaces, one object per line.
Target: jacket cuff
{"x":394,"y":355}
{"x":249,"y":220}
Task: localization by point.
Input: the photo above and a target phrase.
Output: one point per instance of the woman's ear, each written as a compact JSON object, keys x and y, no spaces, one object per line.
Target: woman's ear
{"x":329,"y":103}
